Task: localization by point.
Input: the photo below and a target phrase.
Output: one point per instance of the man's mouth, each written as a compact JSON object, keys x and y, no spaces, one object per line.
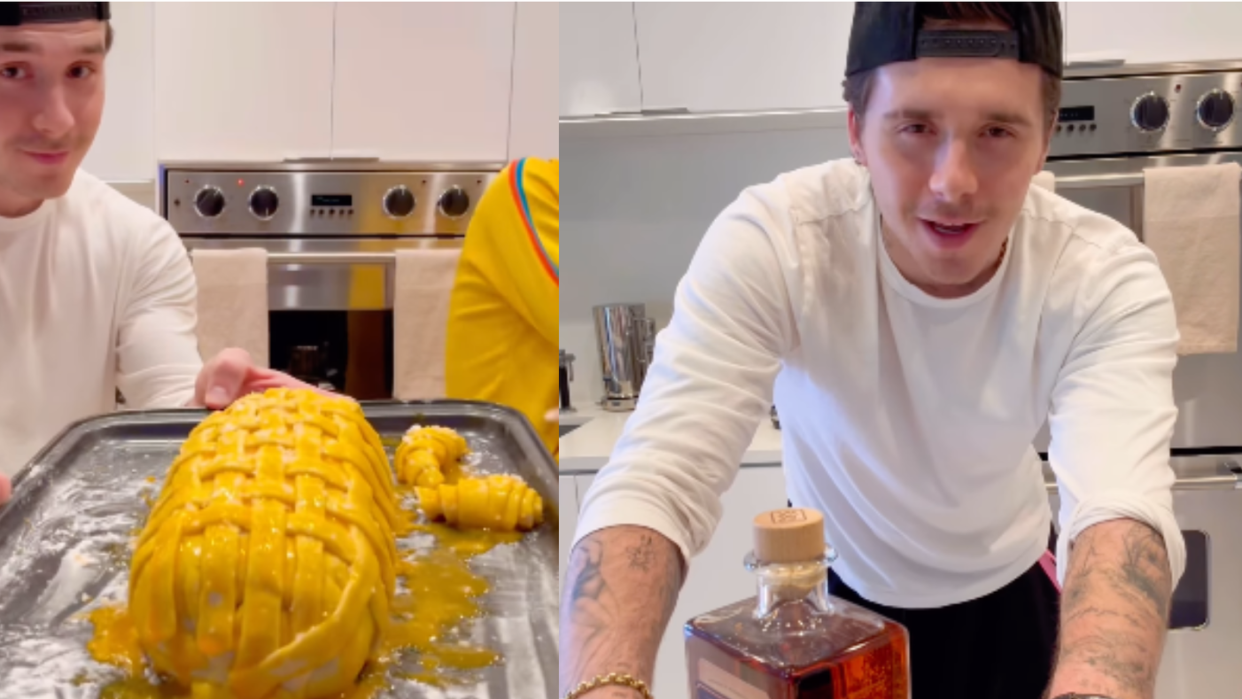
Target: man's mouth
{"x":48,"y":157}
{"x":950,"y":234}
{"x":951,"y":228}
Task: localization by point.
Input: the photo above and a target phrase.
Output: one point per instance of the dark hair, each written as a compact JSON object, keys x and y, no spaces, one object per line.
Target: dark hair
{"x":108,"y":36}
{"x":857,"y":88}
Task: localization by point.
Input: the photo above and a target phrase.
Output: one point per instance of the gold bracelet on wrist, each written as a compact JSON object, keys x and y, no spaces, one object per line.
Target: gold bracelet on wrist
{"x":611,"y":678}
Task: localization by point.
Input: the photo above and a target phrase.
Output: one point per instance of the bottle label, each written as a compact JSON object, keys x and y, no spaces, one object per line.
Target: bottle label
{"x":716,"y":683}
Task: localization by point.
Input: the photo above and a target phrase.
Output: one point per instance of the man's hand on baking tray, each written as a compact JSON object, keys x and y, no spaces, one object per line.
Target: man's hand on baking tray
{"x":232,"y":374}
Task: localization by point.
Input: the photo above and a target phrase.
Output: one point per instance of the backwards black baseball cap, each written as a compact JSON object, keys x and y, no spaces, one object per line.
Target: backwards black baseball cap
{"x":888,"y":32}
{"x":14,"y":14}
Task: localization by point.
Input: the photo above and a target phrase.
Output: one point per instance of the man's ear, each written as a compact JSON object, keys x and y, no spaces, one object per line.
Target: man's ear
{"x":855,"y":129}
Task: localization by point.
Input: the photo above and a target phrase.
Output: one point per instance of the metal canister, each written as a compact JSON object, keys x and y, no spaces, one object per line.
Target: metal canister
{"x":626,"y":338}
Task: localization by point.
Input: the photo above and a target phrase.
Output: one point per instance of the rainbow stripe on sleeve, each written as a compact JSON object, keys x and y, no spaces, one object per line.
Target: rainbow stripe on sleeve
{"x":519,"y":197}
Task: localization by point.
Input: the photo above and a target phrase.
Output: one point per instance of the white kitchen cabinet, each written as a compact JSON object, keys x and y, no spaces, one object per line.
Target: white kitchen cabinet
{"x":1154,"y":31}
{"x":742,"y":56}
{"x":716,"y":577}
{"x":124,"y":148}
{"x":598,"y":59}
{"x":569,"y":522}
{"x":243,"y":81}
{"x":533,"y":128}
{"x":423,"y":81}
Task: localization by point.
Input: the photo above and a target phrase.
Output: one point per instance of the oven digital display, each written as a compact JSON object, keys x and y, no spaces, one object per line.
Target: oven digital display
{"x":332,"y":200}
{"x":1077,"y":114}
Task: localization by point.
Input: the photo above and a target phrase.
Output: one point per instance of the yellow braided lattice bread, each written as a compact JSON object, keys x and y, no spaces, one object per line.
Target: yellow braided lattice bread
{"x":429,"y":455}
{"x":503,"y":503}
{"x":267,"y":566}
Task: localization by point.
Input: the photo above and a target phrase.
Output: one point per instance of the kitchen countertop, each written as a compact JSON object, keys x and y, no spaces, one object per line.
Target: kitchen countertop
{"x":587,"y":448}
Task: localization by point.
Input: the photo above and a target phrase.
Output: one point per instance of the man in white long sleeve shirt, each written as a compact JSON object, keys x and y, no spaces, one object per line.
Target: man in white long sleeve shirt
{"x":918,"y":313}
{"x":96,"y":292}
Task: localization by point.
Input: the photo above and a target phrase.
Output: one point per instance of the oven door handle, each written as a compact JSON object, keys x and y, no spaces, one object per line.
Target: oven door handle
{"x":1228,"y":476}
{"x":1094,"y":181}
{"x":331,"y":258}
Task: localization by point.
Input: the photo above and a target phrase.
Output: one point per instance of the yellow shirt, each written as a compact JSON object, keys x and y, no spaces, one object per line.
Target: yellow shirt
{"x":504,"y":312}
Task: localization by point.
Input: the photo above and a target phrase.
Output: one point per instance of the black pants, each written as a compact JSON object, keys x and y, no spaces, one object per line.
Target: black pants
{"x":999,"y":646}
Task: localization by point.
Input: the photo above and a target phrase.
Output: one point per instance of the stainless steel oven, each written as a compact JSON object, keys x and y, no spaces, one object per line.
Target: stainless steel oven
{"x":1115,"y":122}
{"x":330,"y":230}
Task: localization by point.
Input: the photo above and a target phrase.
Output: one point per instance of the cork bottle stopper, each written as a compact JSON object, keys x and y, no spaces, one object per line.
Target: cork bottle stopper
{"x":789,"y":535}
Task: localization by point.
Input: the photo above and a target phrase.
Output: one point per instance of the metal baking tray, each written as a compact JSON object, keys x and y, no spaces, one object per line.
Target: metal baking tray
{"x":67,"y":536}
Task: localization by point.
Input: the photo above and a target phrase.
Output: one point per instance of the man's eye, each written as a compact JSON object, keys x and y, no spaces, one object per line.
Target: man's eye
{"x":998,"y":132}
{"x":12,"y":73}
{"x":81,"y":72}
{"x":915,"y":128}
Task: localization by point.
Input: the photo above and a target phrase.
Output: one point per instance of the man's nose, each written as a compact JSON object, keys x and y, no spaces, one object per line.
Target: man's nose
{"x":954,"y":177}
{"x":54,"y":117}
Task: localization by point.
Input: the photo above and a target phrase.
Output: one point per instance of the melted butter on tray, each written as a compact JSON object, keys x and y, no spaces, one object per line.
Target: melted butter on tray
{"x":442,"y":594}
{"x":468,"y":543}
{"x":115,"y":641}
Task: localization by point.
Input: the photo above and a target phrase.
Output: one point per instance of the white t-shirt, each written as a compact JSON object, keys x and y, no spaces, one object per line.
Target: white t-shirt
{"x":907,"y":419}
{"x":96,"y":293}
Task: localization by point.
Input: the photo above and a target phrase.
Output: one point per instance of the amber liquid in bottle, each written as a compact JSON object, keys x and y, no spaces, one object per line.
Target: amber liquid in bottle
{"x":795,"y":641}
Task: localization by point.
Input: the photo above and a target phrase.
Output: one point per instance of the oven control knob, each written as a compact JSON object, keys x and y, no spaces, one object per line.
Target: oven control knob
{"x":454,"y":203}
{"x":264,"y":202}
{"x":1150,"y":112}
{"x":399,"y":202}
{"x":1215,"y":110}
{"x":209,"y":202}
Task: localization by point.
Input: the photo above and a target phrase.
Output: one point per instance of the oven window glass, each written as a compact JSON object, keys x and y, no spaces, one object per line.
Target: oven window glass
{"x":346,"y":351}
{"x":1190,"y":599}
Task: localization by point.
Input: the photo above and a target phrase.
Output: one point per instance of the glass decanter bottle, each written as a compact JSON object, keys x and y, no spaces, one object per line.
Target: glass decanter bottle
{"x":793,"y":640}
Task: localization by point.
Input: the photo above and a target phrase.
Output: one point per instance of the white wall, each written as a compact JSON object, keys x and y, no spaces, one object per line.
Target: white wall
{"x":142,"y":192}
{"x":124,"y":147}
{"x":634,"y":208}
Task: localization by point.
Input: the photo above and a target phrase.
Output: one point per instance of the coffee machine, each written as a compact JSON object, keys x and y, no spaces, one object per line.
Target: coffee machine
{"x":626,"y":337}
